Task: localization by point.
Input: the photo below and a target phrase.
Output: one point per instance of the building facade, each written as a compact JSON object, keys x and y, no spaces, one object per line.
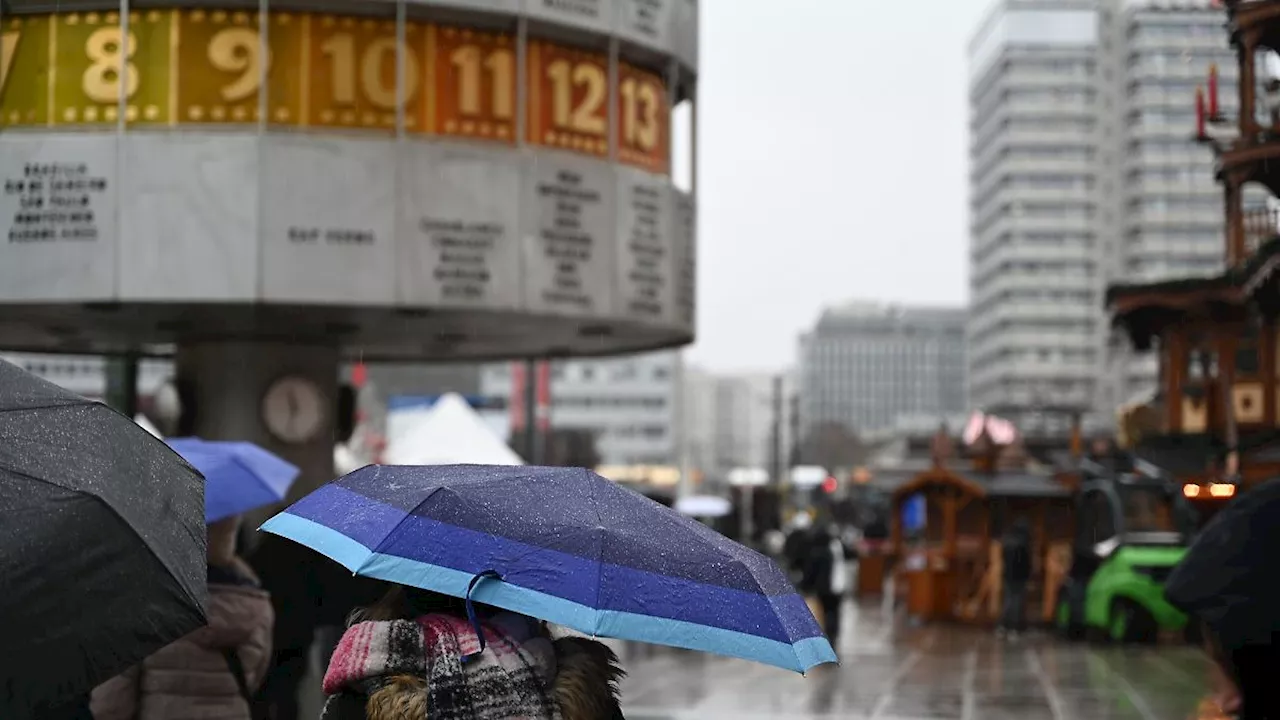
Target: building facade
{"x":864,"y":365}
{"x":1082,"y":173}
{"x":87,"y":374}
{"x":748,"y":413}
{"x":629,"y":403}
{"x":701,"y":421}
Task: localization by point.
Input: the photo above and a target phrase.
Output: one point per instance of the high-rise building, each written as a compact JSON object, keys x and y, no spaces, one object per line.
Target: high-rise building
{"x":701,"y":421}
{"x":629,"y":403}
{"x":1082,"y":174}
{"x":745,"y":410}
{"x":864,"y":365}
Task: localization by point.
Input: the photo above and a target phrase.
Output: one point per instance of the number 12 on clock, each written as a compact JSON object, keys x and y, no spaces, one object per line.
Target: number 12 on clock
{"x":568,"y":99}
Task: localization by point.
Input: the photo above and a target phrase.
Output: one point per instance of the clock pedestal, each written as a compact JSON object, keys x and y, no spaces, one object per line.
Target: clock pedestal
{"x":226,"y":382}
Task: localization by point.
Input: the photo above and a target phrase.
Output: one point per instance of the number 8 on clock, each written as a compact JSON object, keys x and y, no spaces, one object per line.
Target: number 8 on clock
{"x":98,"y":60}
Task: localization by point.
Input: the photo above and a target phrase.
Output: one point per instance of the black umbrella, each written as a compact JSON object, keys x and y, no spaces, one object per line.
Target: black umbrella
{"x":1228,"y":577}
{"x":102,"y":544}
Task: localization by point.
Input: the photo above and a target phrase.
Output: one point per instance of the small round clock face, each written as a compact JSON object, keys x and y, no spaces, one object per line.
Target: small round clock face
{"x":294,"y":409}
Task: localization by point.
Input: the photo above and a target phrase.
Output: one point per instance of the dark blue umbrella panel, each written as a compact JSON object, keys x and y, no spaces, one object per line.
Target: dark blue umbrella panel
{"x":570,"y":547}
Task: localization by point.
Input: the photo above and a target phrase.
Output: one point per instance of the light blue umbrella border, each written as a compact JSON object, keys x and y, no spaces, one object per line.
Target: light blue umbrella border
{"x":797,"y":657}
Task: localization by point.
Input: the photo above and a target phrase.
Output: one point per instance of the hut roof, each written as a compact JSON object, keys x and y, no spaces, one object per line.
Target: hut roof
{"x":1005,"y":484}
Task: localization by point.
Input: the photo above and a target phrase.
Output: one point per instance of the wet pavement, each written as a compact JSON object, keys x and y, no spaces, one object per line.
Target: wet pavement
{"x":891,"y":671}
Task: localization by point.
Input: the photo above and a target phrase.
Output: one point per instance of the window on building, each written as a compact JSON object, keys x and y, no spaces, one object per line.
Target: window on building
{"x":1248,"y":362}
{"x":1201,"y":364}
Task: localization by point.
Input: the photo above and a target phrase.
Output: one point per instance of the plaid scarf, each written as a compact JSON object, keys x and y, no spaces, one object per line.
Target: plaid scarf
{"x":501,"y":683}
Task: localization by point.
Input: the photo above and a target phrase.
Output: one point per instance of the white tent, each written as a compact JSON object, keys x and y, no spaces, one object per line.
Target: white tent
{"x":345,"y":461}
{"x":703,"y":506}
{"x":451,"y":433}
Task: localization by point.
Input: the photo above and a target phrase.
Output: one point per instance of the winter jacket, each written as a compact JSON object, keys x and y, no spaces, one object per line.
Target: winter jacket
{"x":796,"y":549}
{"x":308,"y":591}
{"x":192,"y":679}
{"x":414,"y":669}
{"x":1016,"y":553}
{"x":825,"y":554}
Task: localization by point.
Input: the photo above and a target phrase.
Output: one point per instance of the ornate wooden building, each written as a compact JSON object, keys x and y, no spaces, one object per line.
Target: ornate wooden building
{"x":1214,"y":422}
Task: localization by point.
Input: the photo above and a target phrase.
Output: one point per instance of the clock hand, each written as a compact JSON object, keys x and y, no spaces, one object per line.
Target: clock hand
{"x":293,"y":408}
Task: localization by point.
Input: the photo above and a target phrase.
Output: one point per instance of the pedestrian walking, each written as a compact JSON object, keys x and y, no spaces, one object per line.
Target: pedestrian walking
{"x":826,"y":576}
{"x":216,"y":668}
{"x":1016,"y":556}
{"x":417,"y":654}
{"x":795,"y":550}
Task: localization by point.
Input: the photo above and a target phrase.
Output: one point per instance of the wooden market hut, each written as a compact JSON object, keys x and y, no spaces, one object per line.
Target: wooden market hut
{"x":953,"y":569}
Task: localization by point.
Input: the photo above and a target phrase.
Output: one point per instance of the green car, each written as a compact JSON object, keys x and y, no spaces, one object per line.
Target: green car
{"x":1130,"y":532}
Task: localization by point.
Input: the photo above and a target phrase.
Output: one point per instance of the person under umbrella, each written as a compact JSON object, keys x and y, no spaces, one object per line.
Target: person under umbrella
{"x":560,"y":544}
{"x":216,"y":668}
{"x":241,"y":476}
{"x":442,"y":657}
{"x":1227,"y":579}
{"x":309,"y":593}
{"x":102,"y":549}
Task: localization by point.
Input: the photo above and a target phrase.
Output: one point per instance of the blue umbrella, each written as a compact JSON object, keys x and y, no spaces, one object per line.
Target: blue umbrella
{"x":564,"y":545}
{"x":239,"y":476}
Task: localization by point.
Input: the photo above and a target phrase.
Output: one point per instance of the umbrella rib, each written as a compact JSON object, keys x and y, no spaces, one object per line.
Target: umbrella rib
{"x":53,"y":406}
{"x":586,"y":474}
{"x":399,"y":524}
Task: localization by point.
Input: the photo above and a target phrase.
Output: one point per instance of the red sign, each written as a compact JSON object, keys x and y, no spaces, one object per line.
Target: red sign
{"x":517,"y":397}
{"x":543,"y":396}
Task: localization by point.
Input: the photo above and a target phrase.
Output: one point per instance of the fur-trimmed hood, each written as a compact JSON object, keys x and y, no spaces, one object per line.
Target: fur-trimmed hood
{"x":585,"y":687}
{"x":586,"y":683}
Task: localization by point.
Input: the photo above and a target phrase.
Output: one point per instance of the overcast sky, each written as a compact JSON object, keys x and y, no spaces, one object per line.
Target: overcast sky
{"x":832,"y":165}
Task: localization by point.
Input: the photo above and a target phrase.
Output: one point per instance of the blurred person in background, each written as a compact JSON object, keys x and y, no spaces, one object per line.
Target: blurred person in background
{"x":826,"y":577}
{"x":795,"y":549}
{"x":1016,"y":556}
{"x":212,"y":672}
{"x":312,"y":597}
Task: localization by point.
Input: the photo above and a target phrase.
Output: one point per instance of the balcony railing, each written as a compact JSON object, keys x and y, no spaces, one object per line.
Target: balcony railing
{"x":1260,"y":225}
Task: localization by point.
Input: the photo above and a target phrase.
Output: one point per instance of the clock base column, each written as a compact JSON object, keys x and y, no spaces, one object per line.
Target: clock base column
{"x":224,"y":384}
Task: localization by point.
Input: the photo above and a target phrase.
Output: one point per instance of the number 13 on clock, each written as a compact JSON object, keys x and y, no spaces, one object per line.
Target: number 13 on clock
{"x":644,"y":119}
